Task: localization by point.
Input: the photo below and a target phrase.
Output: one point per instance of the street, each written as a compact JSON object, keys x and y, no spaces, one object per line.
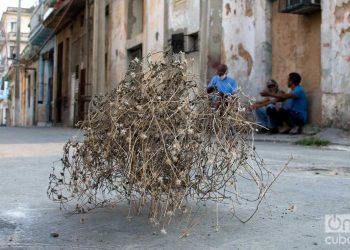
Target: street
{"x":316,"y":183}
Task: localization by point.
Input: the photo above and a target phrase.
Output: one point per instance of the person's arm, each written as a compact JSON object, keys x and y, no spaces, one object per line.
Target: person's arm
{"x":280,"y":96}
{"x":262,"y":103}
{"x":234,"y":86}
{"x":211,"y":86}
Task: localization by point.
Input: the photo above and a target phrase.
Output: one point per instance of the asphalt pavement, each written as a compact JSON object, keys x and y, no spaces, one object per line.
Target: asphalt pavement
{"x":316,"y":183}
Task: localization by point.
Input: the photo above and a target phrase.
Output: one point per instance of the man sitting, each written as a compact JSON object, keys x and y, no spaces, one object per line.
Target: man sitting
{"x":222,"y":84}
{"x":261,"y":107}
{"x":295,"y":115}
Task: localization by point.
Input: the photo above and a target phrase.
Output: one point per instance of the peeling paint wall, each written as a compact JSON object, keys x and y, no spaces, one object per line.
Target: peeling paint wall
{"x":246,"y":43}
{"x":254,"y":40}
{"x":184,"y":17}
{"x":135,"y":18}
{"x":118,"y":38}
{"x":336,"y":63}
{"x":155,"y":35}
{"x":154,"y":26}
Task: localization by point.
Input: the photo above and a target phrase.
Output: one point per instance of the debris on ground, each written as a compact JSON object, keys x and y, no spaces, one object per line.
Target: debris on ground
{"x":54,"y":235}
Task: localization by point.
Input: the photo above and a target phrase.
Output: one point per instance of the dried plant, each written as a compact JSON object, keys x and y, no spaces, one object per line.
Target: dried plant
{"x":155,"y":141}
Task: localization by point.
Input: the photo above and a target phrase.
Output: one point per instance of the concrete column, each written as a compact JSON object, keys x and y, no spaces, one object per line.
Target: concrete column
{"x":117,"y":40}
{"x":210,"y":37}
{"x":166,"y":25}
{"x":99,"y":50}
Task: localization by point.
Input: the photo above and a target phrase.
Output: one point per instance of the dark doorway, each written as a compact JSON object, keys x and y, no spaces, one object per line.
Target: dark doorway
{"x":35,"y":105}
{"x":50,"y":85}
{"x":81,"y":98}
{"x":59,"y":83}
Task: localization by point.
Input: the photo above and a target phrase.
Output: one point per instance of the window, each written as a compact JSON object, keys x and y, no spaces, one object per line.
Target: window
{"x":299,"y":6}
{"x":12,"y":52}
{"x":178,"y":42}
{"x":135,"y":52}
{"x":13,"y":26}
{"x":191,"y":43}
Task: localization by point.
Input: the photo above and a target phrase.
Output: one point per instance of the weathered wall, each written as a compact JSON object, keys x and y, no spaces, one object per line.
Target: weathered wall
{"x":153,"y":32}
{"x":184,"y":17}
{"x":336,"y":63}
{"x":118,"y":38}
{"x":296,"y":48}
{"x":65,"y":74}
{"x":135,"y":18}
{"x":246,"y":44}
{"x":75,"y":53}
{"x":30,"y":91}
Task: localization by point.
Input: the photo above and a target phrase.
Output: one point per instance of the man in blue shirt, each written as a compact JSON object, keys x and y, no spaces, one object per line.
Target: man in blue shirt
{"x":296,"y":114}
{"x":222,"y":85}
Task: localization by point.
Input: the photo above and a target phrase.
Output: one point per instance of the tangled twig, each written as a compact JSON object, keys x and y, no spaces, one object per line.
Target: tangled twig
{"x":155,"y":141}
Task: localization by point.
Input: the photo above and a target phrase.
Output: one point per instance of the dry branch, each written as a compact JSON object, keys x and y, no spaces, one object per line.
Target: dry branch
{"x":155,"y":141}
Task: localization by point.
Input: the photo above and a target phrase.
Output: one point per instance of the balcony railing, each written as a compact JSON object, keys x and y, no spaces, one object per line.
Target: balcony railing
{"x":299,"y":6}
{"x":36,"y":18}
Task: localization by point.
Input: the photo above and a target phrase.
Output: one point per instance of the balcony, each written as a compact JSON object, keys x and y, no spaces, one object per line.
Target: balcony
{"x":301,"y":7}
{"x":54,"y":10}
{"x":38,"y":34}
{"x":29,"y":53}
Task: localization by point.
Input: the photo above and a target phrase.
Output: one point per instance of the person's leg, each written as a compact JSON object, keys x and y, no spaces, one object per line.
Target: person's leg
{"x":262,"y":117}
{"x":272,"y":123}
{"x":273,"y":119}
{"x":282,"y":119}
{"x":297,"y":121}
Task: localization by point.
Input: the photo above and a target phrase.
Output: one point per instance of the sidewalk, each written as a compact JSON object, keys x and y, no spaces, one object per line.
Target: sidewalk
{"x":335,"y":136}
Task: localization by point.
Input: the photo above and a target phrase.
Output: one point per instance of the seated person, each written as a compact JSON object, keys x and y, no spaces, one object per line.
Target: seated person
{"x":261,"y":107}
{"x":222,"y":84}
{"x":295,"y":114}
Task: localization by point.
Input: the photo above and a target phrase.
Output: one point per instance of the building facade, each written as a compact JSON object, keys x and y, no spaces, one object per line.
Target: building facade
{"x":84,"y":48}
{"x":8,"y":57}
